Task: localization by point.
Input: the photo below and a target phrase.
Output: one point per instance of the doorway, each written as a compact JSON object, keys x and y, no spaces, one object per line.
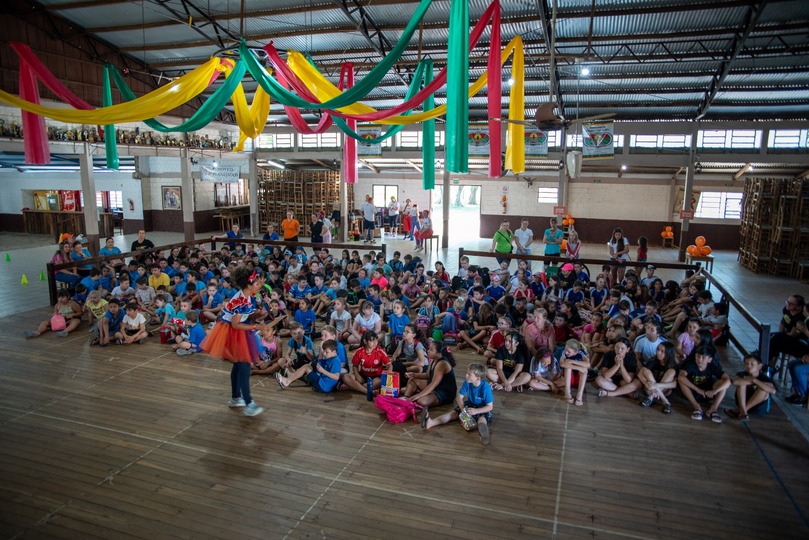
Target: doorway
{"x":464,"y":211}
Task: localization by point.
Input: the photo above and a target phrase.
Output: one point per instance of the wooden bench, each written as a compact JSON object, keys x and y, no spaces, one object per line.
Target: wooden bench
{"x":428,"y":242}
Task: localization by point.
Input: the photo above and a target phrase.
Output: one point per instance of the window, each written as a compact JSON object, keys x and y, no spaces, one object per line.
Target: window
{"x":439,"y":139}
{"x":549,"y":195}
{"x":319,"y":140}
{"x":275,"y":140}
{"x":660,"y":141}
{"x":729,"y":138}
{"x":408,"y":139}
{"x":382,"y":195}
{"x":719,"y":205}
{"x":108,"y":200}
{"x":788,"y":138}
{"x":574,"y":141}
{"x":116,"y":199}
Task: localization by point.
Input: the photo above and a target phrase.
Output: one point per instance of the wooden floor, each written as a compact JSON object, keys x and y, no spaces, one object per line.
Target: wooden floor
{"x":137,"y":442}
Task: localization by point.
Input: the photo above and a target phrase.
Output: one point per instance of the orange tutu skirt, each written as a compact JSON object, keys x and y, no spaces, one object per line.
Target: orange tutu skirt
{"x":228,"y":343}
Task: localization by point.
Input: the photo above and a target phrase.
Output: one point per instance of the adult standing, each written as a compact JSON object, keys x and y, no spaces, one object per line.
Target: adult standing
{"x":619,"y":253}
{"x":234,"y":234}
{"x":141,"y":244}
{"x":393,"y":216}
{"x":553,"y":240}
{"x":233,"y":338}
{"x":368,"y":218}
{"x":290,"y":227}
{"x":327,"y":225}
{"x":317,"y":229}
{"x":502,"y":242}
{"x":524,"y":237}
{"x":407,"y":219}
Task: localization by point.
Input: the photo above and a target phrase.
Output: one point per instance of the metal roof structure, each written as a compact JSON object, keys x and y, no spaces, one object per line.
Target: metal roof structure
{"x":648,"y":59}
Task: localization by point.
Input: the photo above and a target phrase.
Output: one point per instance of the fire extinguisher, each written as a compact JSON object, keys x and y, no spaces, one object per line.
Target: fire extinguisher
{"x":504,"y":202}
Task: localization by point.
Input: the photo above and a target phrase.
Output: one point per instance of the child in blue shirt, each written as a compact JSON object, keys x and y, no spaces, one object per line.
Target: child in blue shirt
{"x":189,"y":341}
{"x":212,"y":303}
{"x":165,"y":311}
{"x":306,"y":317}
{"x":93,"y":280}
{"x":110,"y":322}
{"x":475,"y":398}
{"x":301,"y":289}
{"x":324,"y":375}
{"x":227,"y":290}
{"x":397,"y":322}
{"x":395,"y":264}
{"x":495,"y":291}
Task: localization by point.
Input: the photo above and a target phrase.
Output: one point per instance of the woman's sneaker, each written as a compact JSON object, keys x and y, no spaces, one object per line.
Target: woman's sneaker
{"x":238,"y":402}
{"x":252,"y":409}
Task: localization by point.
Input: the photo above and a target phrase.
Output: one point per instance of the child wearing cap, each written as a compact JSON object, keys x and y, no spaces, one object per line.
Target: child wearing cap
{"x":567,"y":277}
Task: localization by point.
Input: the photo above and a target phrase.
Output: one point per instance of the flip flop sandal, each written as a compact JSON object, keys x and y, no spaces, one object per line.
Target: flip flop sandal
{"x":570,"y":399}
{"x":666,"y":409}
{"x":278,"y":380}
{"x":696,"y":415}
{"x":603,"y":393}
{"x":425,"y":415}
{"x":579,"y":402}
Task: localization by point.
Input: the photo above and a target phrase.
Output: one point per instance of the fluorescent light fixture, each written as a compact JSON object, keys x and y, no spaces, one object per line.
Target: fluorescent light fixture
{"x":215,"y":164}
{"x":276,"y":164}
{"x":585,"y":71}
{"x":623,"y":167}
{"x":510,"y":81}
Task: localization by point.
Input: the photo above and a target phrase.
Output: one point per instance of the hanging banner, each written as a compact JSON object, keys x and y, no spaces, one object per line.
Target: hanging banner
{"x":536,"y":142}
{"x":366,"y":147}
{"x":680,"y":196}
{"x":598,"y":140}
{"x":213,"y":171}
{"x":479,"y":139}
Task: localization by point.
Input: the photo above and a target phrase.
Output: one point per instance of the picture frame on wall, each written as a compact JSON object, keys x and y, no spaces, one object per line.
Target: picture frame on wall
{"x":172,"y":198}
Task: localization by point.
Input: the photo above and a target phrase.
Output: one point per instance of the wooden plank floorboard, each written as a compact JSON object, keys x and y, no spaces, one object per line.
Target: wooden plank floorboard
{"x":137,"y":441}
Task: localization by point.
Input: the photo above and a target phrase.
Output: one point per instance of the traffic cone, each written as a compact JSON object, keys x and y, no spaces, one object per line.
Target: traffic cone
{"x":8,"y":257}
{"x":24,"y":280}
{"x":42,"y":276}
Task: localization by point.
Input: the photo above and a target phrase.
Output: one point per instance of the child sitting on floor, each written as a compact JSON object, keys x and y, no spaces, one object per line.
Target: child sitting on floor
{"x":323,"y":374}
{"x":191,"y":338}
{"x":475,"y":398}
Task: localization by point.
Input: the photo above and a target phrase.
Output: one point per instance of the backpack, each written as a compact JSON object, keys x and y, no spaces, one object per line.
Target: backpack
{"x":483,"y":272}
{"x":457,"y":283}
{"x":449,"y":323}
{"x":397,"y":410}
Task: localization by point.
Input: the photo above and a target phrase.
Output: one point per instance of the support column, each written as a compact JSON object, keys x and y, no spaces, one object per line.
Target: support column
{"x":562,"y":197}
{"x":88,"y":188}
{"x":445,"y":205}
{"x":252,"y":186}
{"x":689,"y":190}
{"x":345,"y":220}
{"x":187,"y":196}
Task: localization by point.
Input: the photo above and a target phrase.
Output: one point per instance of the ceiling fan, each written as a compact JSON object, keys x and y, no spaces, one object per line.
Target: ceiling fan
{"x":546,"y":120}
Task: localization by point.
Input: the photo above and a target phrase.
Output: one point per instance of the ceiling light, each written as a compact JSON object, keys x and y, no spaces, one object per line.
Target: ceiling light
{"x":510,"y":81}
{"x":623,"y":167}
{"x":561,"y":165}
{"x":697,"y":167}
{"x":276,"y":164}
{"x":215,"y":164}
{"x":585,"y":71}
{"x":750,"y":168}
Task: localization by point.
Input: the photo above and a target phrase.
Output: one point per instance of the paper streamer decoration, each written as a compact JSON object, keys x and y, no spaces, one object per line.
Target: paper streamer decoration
{"x":110,"y":143}
{"x":495,"y":95}
{"x":457,"y":157}
{"x":350,"y":147}
{"x":428,"y":134}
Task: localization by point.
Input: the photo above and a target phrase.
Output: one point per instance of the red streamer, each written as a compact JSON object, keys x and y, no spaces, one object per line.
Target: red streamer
{"x":495,"y":94}
{"x":350,"y":147}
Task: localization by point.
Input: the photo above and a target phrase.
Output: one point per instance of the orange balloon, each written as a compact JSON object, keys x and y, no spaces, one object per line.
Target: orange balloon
{"x":565,"y":222}
{"x":568,"y":216}
{"x":668,"y":228}
{"x":692,"y":250}
{"x":699,"y":241}
{"x":664,"y":234}
{"x":705,"y":250}
{"x":571,"y":221}
{"x":563,"y":245}
{"x":670,"y":234}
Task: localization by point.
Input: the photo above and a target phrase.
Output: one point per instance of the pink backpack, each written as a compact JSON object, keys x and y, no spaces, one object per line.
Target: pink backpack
{"x":397,"y":410}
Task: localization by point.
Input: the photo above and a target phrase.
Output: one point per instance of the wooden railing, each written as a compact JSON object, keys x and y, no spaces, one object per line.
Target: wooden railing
{"x":562,"y":260}
{"x":359,"y":246}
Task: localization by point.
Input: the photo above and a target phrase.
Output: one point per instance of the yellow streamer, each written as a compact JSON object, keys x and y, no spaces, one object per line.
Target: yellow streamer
{"x":151,"y":105}
{"x":515,"y":141}
{"x":324,"y":90}
{"x":251,"y":120}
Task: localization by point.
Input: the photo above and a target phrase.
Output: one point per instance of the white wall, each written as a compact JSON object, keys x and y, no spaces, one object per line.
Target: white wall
{"x":17,"y":188}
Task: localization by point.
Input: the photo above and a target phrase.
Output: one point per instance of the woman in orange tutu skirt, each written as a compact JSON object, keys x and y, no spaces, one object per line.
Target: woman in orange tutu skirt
{"x":233,"y":338}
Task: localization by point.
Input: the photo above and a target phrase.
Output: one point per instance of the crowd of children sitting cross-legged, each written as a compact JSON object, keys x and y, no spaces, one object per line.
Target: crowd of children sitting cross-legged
{"x":557,"y":333}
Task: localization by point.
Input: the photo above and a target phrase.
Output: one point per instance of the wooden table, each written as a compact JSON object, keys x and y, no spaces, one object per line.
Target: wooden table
{"x":232,"y":215}
{"x":707,"y":260}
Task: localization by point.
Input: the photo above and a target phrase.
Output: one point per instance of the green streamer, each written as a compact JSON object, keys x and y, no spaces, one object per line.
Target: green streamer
{"x":457,"y":151}
{"x":205,"y":114}
{"x":428,"y":134}
{"x":351,"y":95}
{"x":110,"y":144}
{"x":414,"y":88}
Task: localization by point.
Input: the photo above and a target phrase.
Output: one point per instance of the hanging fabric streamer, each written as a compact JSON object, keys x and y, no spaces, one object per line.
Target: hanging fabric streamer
{"x":515,"y":143}
{"x":33,"y":126}
{"x":495,"y":95}
{"x":350,"y":155}
{"x":457,"y":152}
{"x":428,"y":134}
{"x":110,"y":143}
